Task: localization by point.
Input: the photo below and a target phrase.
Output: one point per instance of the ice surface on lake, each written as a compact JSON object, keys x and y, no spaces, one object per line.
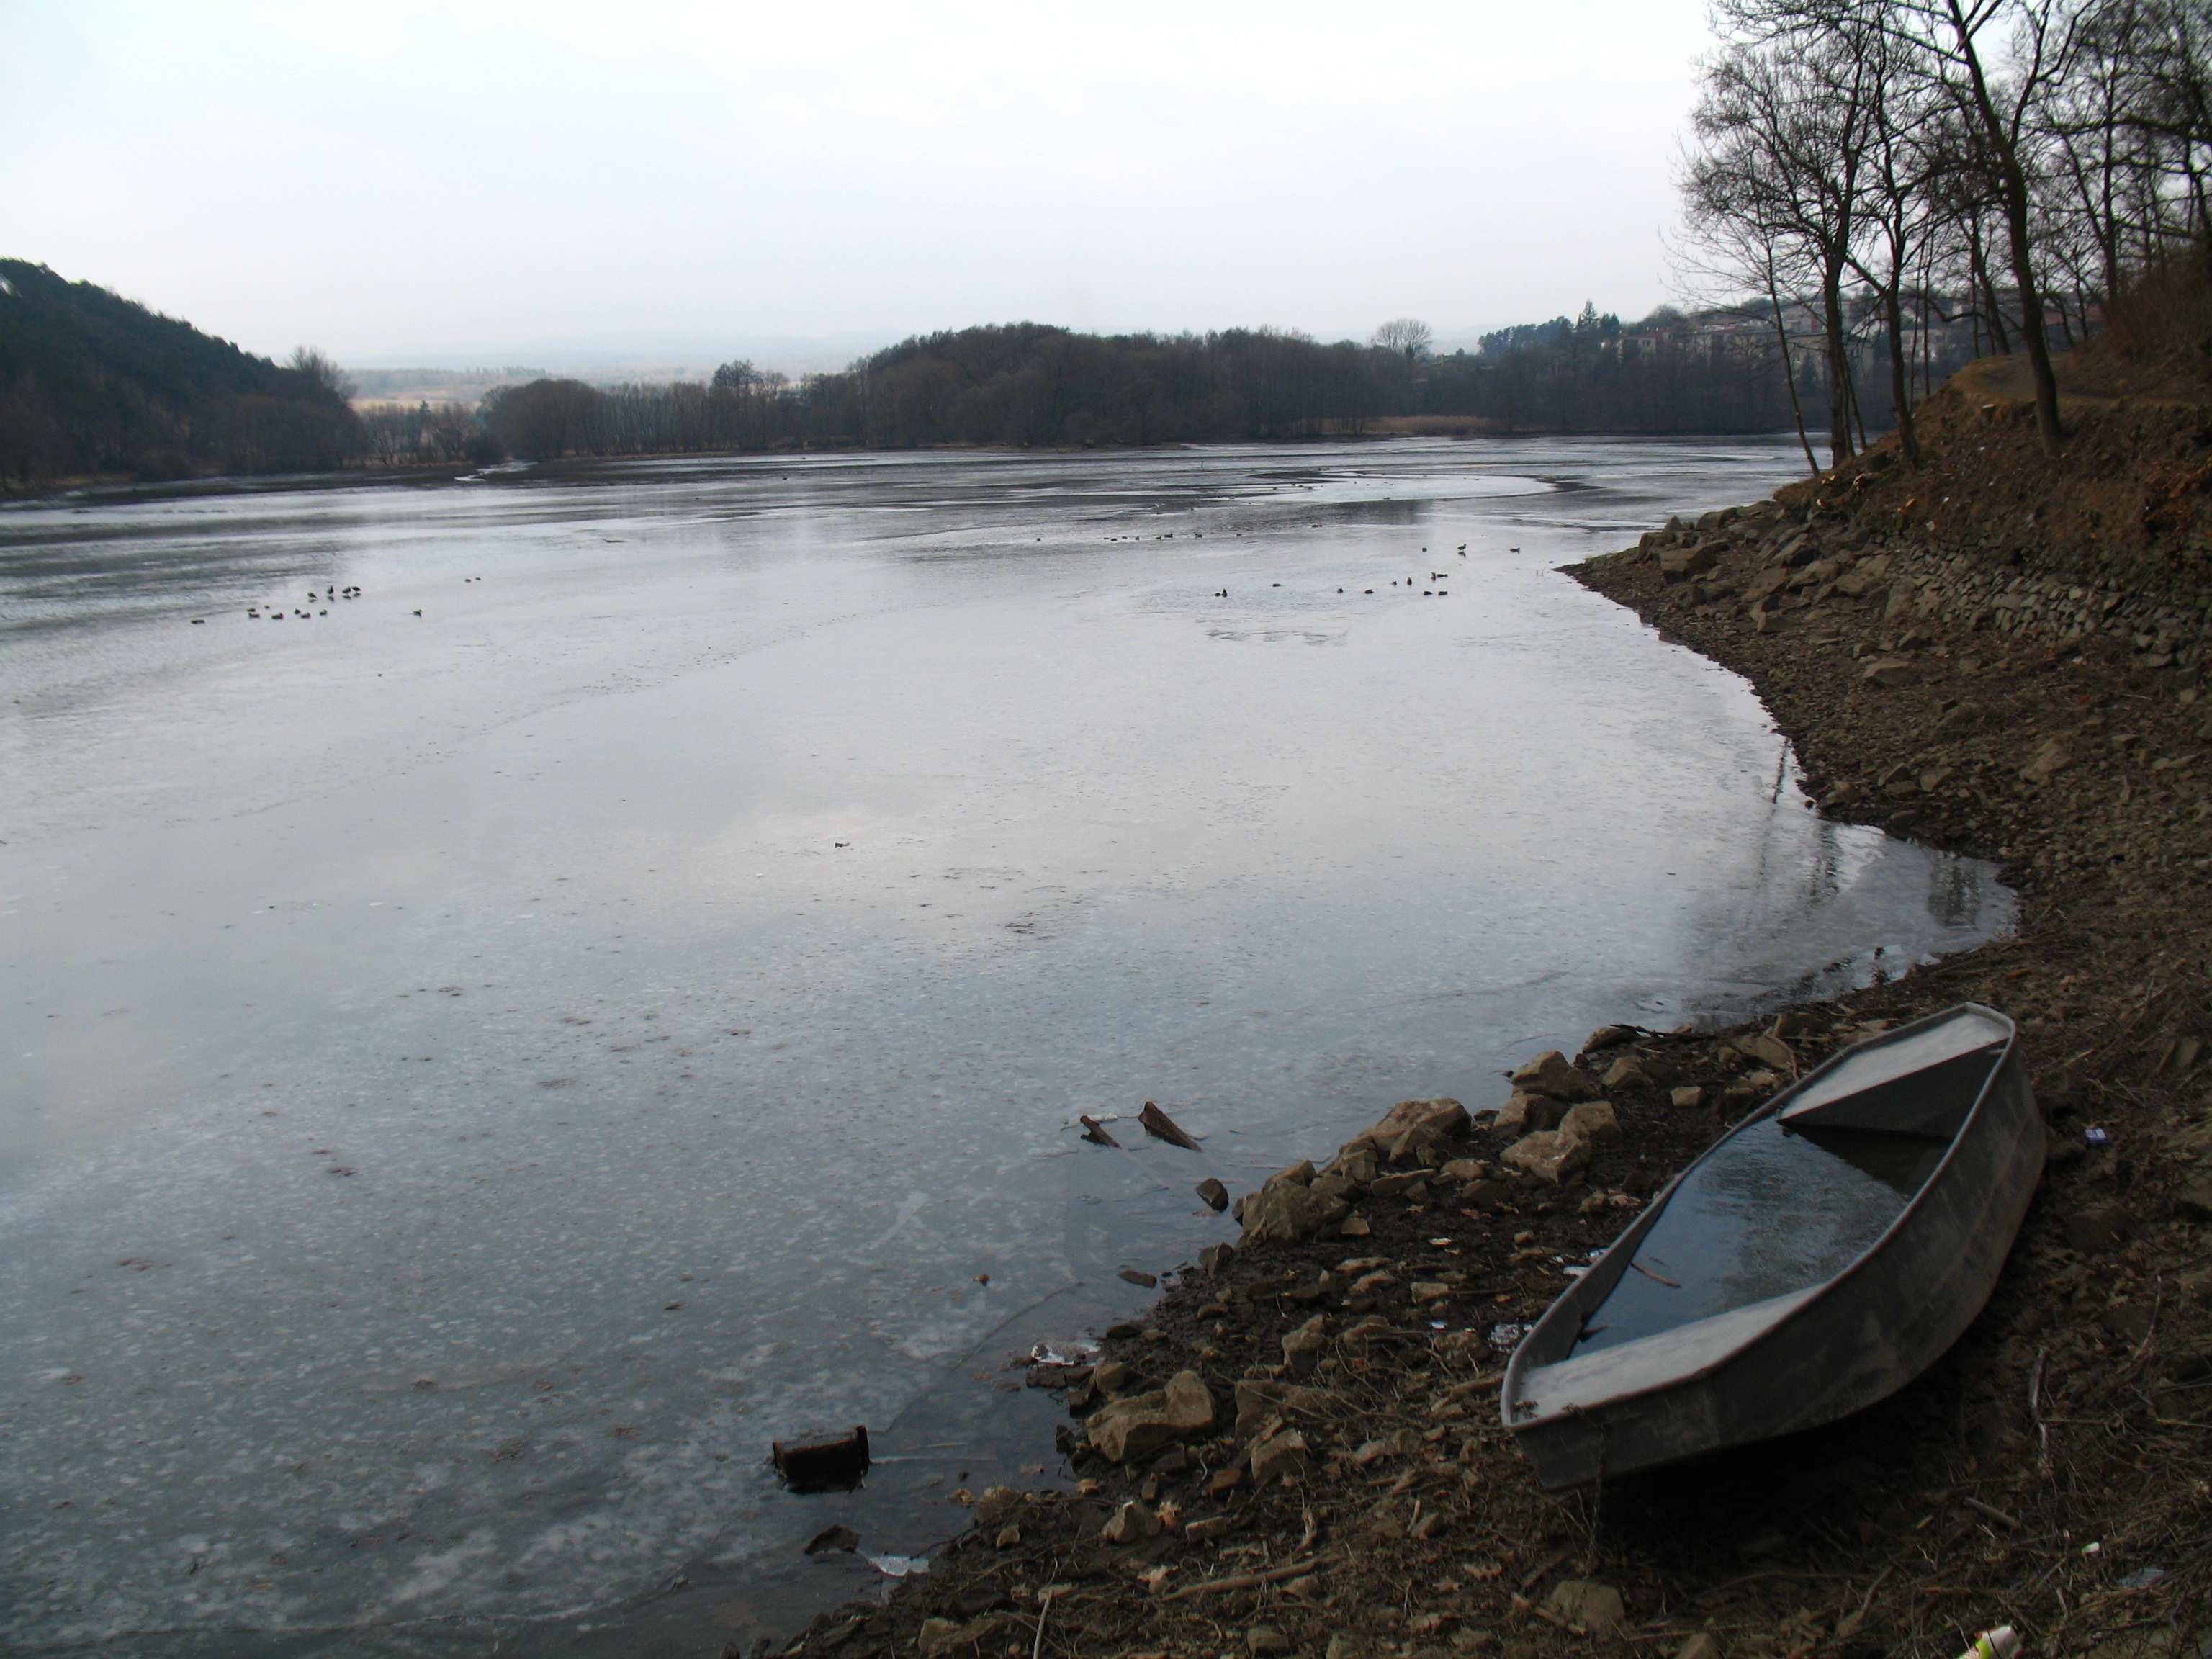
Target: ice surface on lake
{"x":475,"y":1079}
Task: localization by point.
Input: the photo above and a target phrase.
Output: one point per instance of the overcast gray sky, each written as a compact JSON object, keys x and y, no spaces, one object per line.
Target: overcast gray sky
{"x":460,"y":181}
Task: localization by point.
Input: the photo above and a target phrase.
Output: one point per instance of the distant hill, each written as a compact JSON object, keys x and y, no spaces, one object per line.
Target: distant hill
{"x":410,"y":387}
{"x":93,"y":384}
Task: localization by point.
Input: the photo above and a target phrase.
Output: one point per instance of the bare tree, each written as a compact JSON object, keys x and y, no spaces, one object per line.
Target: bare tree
{"x":1734,"y":256}
{"x":2133,"y":127}
{"x":1408,"y":336}
{"x":323,"y":371}
{"x":1901,"y":162}
{"x":1784,"y":128}
{"x":2000,"y":98}
{"x":1998,"y":62}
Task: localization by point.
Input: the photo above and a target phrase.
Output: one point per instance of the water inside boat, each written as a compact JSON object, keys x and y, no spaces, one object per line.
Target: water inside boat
{"x":1781,"y":1206}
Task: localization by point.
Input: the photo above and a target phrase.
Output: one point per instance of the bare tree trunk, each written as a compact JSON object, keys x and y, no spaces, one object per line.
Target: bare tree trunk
{"x":2031,"y":308}
{"x":1789,"y":373}
{"x":1922,"y":333}
{"x":2006,"y":148}
{"x":1987,"y":301}
{"x":1900,"y":375}
{"x":1839,"y":366}
{"x":1859,"y":413}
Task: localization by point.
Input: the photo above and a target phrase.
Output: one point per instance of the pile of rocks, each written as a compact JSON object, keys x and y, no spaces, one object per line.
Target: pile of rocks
{"x":1321,"y":1400}
{"x":1555,"y":1111}
{"x":1137,"y":1426}
{"x":1420,"y":1151}
{"x":1418,"y":1136}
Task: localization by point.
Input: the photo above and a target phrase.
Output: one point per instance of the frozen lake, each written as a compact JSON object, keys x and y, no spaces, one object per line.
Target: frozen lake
{"x":473,"y":1078}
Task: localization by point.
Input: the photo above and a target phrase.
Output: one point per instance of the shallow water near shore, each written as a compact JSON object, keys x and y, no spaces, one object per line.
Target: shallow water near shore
{"x":476,"y":1076}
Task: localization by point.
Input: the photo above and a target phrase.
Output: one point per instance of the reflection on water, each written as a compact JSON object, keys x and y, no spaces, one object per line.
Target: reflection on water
{"x":1773,"y":1210}
{"x":476,"y":1076}
{"x":1806,"y":865}
{"x":1958,"y":890}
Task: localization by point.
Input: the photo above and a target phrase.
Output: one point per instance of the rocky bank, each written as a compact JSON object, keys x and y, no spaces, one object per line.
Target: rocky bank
{"x":1297,"y":1452}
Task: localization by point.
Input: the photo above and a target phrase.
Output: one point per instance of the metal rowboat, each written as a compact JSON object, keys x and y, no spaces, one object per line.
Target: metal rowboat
{"x":1814,"y":1260}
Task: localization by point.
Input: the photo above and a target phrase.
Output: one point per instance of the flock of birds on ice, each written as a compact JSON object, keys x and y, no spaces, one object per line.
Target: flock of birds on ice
{"x":321,"y":601}
{"x":333,"y":593}
{"x":276,"y":613}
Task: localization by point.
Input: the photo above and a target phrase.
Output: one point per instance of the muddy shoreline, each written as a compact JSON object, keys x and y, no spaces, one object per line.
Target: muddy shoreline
{"x":1305,"y":1455}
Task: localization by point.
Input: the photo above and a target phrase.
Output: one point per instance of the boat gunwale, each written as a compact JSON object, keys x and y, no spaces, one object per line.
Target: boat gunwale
{"x":1575,"y":1296}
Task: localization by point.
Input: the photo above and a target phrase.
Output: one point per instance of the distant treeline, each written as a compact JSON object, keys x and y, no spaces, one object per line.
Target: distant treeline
{"x":91,"y":384}
{"x":94,"y":384}
{"x":1028,"y":384}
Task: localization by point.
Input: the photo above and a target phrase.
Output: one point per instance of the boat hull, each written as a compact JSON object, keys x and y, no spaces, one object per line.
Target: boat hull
{"x":1811,"y":1358}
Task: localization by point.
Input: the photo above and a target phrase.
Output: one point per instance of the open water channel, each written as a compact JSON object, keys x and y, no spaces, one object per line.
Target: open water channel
{"x":480,"y":1060}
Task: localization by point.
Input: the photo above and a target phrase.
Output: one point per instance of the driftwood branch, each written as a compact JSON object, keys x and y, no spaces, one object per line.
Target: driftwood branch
{"x":1245,"y":1581}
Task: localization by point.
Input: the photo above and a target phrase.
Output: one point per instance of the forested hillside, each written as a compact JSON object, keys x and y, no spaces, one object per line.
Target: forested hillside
{"x":95,"y":385}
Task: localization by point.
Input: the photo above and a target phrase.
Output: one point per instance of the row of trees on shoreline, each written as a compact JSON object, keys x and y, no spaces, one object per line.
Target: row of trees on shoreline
{"x":131,"y":393}
{"x":157,"y":410}
{"x":1027,"y":385}
{"x":1906,"y":160}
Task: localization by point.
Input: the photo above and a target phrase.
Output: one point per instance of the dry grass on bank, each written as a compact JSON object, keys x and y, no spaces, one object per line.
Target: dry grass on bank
{"x":1434,"y":426}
